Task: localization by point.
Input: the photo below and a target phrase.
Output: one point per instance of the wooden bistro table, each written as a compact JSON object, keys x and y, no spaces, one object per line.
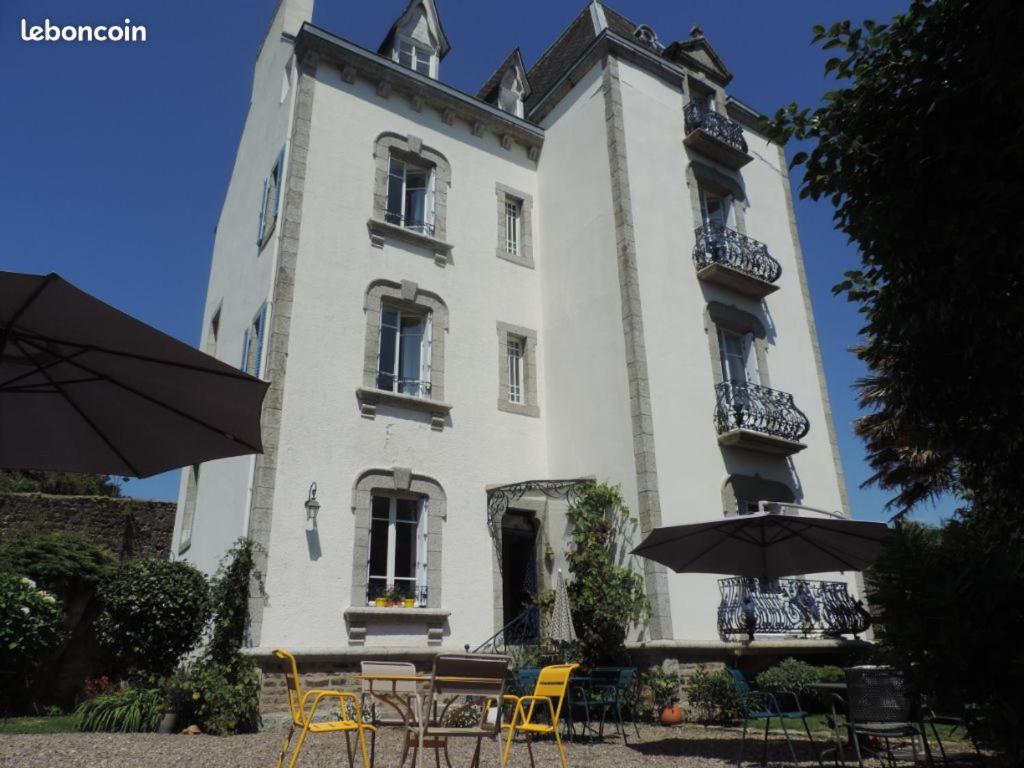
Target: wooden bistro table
{"x":410,"y":705}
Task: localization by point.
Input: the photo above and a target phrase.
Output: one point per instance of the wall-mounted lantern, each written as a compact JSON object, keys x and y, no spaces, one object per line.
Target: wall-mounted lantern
{"x":312,"y":507}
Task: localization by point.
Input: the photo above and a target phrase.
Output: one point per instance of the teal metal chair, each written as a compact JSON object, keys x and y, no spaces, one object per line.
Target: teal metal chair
{"x":610,"y":691}
{"x":760,"y":705}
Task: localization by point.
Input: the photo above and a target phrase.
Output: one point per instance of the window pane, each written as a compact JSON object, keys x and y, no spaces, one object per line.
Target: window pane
{"x":386,"y":357}
{"x":405,"y":551}
{"x":408,"y":510}
{"x":409,"y":352}
{"x":422,"y":61}
{"x":515,"y":370}
{"x":396,"y":184}
{"x":389,"y":317}
{"x":415,"y":197}
{"x":379,"y":547}
{"x":380,"y":507}
{"x":405,"y":54}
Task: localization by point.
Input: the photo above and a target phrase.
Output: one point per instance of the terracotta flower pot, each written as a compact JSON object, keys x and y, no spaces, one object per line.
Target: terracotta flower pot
{"x":671,"y":715}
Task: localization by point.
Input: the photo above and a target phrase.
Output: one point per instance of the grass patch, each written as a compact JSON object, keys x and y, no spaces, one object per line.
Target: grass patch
{"x":21,"y":725}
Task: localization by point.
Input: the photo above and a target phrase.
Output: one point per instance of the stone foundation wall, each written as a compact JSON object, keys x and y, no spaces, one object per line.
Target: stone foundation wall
{"x":128,"y":527}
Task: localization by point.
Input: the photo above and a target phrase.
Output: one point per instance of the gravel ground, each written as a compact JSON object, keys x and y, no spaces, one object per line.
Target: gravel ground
{"x":686,"y":746}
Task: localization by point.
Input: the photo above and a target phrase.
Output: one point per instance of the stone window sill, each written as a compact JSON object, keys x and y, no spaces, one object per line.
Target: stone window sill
{"x":521,"y":408}
{"x":372,"y":613}
{"x":381,"y":230}
{"x":370,"y":398}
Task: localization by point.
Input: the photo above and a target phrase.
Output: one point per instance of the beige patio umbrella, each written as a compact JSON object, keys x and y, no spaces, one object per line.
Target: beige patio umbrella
{"x":559,"y":627}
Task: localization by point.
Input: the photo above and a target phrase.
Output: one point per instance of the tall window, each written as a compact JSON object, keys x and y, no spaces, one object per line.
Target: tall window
{"x":188,"y":514}
{"x":398,"y":548}
{"x":739,"y":362}
{"x":252,"y":343}
{"x":415,"y":56}
{"x":410,"y":196}
{"x":271,"y":201}
{"x":513,"y":219}
{"x":403,"y":358}
{"x":706,"y":101}
{"x":716,"y":210}
{"x":516,"y":349}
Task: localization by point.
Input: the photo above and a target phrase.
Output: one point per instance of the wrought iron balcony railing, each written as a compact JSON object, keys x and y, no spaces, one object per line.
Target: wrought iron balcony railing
{"x":717,"y":244}
{"x":788,"y":606}
{"x":696,"y":116}
{"x":523,"y":630}
{"x":758,"y":409}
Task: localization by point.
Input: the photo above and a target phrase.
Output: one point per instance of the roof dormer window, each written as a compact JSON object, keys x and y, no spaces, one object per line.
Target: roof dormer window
{"x":416,"y":56}
{"x":510,"y":93}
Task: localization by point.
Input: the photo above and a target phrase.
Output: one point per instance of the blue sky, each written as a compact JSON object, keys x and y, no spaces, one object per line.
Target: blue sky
{"x":117,"y":156}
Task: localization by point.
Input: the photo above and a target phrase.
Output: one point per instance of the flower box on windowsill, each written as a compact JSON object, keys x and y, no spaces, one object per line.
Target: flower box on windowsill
{"x":381,"y":230}
{"x":370,"y":398}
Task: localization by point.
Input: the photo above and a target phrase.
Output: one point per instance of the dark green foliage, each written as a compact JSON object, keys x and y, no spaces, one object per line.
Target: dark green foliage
{"x":127,"y":711}
{"x":788,"y":675}
{"x":664,"y":686}
{"x":31,"y":622}
{"x":69,"y":564}
{"x":57,"y":483}
{"x":919,"y":151}
{"x":712,"y":696}
{"x":154,"y":611}
{"x":607,"y":596}
{"x":221,"y":689}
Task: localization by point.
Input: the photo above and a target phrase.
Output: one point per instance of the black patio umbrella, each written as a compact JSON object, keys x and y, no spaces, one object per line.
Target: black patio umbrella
{"x":766,"y":545}
{"x":87,"y":388}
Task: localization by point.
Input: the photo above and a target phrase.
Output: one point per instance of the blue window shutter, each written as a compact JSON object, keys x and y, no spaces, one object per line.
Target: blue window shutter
{"x":261,"y":337}
{"x":263,"y":212}
{"x":280,"y":182}
{"x":245,"y":351}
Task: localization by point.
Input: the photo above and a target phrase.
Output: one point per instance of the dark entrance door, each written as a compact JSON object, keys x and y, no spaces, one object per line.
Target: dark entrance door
{"x":519,"y":562}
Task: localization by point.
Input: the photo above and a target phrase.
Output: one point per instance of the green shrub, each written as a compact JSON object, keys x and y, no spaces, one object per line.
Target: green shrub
{"x":664,"y":686}
{"x":607,"y":596}
{"x":154,"y":611}
{"x":712,"y":695}
{"x":31,"y":622}
{"x":788,"y":675}
{"x":222,"y":698}
{"x":69,"y":564}
{"x":221,"y":689}
{"x":127,"y":711}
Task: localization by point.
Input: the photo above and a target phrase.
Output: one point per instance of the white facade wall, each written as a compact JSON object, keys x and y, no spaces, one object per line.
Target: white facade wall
{"x":572,"y":299}
{"x":323,"y":437}
{"x":241,"y":280}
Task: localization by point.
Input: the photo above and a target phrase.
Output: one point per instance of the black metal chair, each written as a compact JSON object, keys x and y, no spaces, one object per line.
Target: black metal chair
{"x":761,"y":705}
{"x":878,"y":706}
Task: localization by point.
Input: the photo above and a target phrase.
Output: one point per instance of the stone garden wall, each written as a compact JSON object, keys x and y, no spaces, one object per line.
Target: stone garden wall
{"x":128,"y":527}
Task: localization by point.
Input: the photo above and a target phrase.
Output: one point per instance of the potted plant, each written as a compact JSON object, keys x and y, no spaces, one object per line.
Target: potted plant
{"x":393,"y":597}
{"x":664,"y":687}
{"x":409,"y":602}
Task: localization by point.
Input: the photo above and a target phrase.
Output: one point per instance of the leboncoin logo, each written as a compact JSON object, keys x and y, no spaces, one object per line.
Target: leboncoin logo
{"x":49,"y":32}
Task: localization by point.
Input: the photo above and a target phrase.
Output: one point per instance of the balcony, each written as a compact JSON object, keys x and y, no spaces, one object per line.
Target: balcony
{"x":715,"y":136}
{"x":788,"y":607}
{"x":758,"y":418}
{"x":727,"y":258}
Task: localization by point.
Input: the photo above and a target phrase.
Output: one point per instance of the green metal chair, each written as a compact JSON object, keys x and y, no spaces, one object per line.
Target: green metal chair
{"x":760,"y":705}
{"x":610,"y":689}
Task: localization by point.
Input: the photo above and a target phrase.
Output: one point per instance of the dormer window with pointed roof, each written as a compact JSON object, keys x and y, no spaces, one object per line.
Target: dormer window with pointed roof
{"x":416,"y":40}
{"x":508,"y":88}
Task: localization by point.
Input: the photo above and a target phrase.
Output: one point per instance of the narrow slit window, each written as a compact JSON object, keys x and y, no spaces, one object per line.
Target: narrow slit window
{"x":513,"y":225}
{"x":516,"y":348}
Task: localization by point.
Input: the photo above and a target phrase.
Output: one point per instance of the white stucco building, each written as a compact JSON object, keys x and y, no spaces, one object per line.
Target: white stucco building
{"x":590,"y":269}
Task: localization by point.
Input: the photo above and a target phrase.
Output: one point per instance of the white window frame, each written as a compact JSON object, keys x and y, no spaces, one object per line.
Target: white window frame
{"x":419,"y":578}
{"x":270,"y":201}
{"x":516,"y":351}
{"x":727,"y":215}
{"x":746,"y":357}
{"x":423,"y":383}
{"x":513,"y":225}
{"x":398,"y":167}
{"x":254,"y":342}
{"x":418,"y":52}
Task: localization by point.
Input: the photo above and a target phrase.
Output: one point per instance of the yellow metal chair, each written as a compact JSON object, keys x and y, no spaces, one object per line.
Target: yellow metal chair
{"x":552,"y":685}
{"x":303,"y":707}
